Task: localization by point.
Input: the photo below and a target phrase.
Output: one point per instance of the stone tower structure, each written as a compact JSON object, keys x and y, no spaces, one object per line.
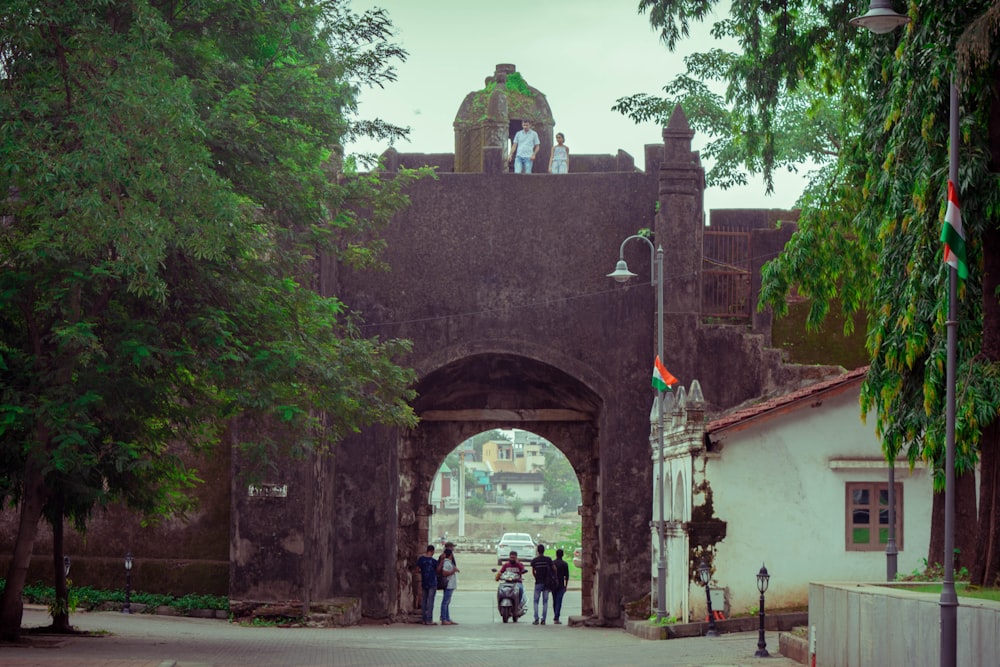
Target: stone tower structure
{"x":488,"y":119}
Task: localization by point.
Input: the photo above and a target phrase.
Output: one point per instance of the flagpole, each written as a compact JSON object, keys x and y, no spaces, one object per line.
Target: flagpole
{"x":949,"y":599}
{"x":661,"y":564}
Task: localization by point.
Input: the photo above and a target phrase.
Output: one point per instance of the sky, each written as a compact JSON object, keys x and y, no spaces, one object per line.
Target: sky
{"x":583,"y":55}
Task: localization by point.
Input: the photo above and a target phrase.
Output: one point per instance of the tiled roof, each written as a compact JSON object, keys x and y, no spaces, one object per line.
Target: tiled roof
{"x":741,"y":416}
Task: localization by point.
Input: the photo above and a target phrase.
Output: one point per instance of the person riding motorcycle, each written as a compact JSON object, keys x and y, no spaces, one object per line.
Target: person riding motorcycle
{"x":517,"y":566}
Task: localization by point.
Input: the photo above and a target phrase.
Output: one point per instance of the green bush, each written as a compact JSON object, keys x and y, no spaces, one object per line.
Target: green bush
{"x":87,"y":598}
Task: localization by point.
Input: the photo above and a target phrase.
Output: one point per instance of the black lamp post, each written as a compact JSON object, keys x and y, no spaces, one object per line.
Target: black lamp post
{"x":705,"y":574}
{"x":762,"y":580}
{"x":127,"y":607}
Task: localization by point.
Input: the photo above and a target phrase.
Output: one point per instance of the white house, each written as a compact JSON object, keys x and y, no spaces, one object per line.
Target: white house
{"x":797,"y":483}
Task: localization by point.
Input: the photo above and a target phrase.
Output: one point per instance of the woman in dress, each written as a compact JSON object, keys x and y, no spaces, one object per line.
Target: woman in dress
{"x":559,"y":159}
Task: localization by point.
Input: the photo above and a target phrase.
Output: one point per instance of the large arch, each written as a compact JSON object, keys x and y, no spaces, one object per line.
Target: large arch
{"x":496,"y":390}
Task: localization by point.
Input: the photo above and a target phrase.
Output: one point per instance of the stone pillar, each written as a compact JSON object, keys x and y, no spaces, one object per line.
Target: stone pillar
{"x":680,"y":220}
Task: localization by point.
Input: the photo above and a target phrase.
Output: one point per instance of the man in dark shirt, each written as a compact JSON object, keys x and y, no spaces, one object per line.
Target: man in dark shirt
{"x":540,"y":565}
{"x":427,"y":564}
{"x":562,"y":582}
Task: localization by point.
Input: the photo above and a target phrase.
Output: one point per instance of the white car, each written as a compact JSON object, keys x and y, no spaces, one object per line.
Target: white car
{"x":519,"y":542}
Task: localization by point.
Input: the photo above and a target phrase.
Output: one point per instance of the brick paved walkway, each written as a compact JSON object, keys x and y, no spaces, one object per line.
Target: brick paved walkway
{"x":480,"y":640}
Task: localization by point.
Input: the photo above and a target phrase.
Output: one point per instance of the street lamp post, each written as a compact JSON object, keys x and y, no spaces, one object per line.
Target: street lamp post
{"x":705,"y":574}
{"x":762,"y":580}
{"x":622,"y":274}
{"x":127,"y":607}
{"x":882,"y":19}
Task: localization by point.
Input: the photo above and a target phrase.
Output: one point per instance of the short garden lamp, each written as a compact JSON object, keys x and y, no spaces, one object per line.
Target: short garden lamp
{"x":705,"y":574}
{"x":127,"y":607}
{"x":762,"y":580}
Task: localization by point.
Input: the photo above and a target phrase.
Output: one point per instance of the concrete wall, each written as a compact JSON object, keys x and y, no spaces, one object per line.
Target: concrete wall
{"x":858,"y":625}
{"x":179,"y":555}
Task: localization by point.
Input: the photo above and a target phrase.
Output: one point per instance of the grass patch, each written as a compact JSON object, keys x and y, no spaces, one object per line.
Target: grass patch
{"x":963,"y":591}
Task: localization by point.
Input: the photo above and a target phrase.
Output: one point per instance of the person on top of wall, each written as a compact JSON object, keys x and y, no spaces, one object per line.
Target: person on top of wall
{"x":524,"y":148}
{"x":559,"y":160}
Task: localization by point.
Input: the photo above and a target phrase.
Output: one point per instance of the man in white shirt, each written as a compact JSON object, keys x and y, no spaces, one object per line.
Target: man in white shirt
{"x":524,"y":148}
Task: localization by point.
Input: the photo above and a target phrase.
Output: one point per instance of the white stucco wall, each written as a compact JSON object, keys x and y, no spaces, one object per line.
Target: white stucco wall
{"x":779,"y":484}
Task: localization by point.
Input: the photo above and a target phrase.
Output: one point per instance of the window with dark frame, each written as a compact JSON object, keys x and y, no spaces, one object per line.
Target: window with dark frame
{"x":868,"y":516}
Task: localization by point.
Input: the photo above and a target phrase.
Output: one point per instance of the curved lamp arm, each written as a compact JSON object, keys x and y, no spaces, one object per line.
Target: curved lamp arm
{"x":621,"y":272}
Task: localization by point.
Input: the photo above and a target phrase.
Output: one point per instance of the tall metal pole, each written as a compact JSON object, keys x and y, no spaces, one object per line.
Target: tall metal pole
{"x":949,"y":600}
{"x":661,"y":563}
{"x":461,"y":494}
{"x":622,"y":274}
{"x":891,"y":552}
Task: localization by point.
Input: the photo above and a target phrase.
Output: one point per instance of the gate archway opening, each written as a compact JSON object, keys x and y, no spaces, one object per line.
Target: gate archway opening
{"x":485,"y":392}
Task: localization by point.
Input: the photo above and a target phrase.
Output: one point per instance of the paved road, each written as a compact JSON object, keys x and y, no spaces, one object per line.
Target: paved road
{"x":480,"y":640}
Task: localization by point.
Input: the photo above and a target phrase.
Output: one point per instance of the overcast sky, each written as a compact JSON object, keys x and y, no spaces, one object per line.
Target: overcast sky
{"x":581,"y":54}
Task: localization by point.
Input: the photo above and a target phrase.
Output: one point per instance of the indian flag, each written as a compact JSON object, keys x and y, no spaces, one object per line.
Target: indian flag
{"x":662,"y":379}
{"x":953,"y":236}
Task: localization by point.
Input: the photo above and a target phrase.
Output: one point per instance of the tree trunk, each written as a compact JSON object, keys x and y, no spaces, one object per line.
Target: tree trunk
{"x":32,"y":502}
{"x":966,"y":524}
{"x":966,"y":521}
{"x":986,"y":565}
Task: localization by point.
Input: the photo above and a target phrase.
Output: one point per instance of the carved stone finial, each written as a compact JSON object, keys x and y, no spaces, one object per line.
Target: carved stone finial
{"x":678,"y":120}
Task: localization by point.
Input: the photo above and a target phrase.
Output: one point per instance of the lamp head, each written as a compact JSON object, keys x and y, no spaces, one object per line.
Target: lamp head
{"x":762,"y":579}
{"x":880,"y":18}
{"x":128,"y":561}
{"x":704,"y":573}
{"x":621,"y":273}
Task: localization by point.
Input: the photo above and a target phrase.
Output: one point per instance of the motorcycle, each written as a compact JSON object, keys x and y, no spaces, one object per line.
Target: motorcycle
{"x":508,"y":594}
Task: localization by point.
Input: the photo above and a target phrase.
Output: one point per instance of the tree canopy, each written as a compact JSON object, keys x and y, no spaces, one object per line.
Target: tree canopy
{"x":171,"y":173}
{"x":871,"y":219}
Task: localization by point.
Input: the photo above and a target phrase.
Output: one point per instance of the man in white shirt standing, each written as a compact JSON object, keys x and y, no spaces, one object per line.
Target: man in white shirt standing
{"x":524,"y":148}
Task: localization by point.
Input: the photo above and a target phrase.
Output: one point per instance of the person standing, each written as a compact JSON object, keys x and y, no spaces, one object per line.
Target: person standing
{"x":562,"y":582}
{"x":427,"y":565}
{"x":540,"y":566}
{"x":559,"y":160}
{"x":448,"y":570}
{"x":524,"y":149}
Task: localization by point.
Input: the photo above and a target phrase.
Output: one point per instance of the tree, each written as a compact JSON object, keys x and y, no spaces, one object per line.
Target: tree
{"x":170,"y":175}
{"x":870,"y":222}
{"x":735,"y":143}
{"x":561,"y":491}
{"x":475,"y":505}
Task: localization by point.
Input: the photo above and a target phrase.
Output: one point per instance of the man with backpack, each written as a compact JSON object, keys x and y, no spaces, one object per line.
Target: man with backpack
{"x":427,"y":566}
{"x":541,"y":568}
{"x":560,"y":580}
